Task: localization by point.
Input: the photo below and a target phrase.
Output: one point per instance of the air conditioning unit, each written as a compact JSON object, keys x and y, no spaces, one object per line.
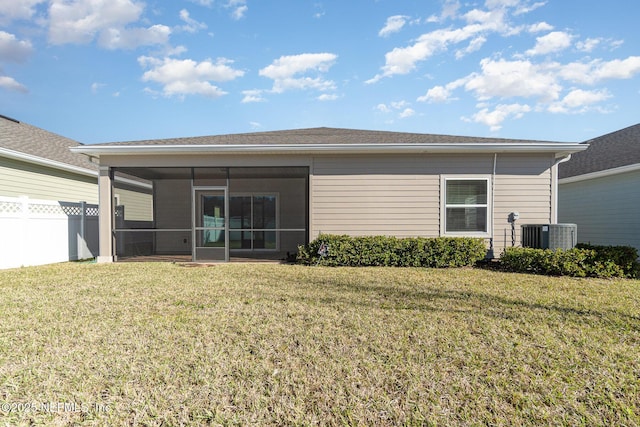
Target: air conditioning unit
{"x":549,"y":236}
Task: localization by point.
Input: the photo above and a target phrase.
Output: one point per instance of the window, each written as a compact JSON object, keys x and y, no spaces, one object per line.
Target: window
{"x":253,"y":221}
{"x":466,"y":206}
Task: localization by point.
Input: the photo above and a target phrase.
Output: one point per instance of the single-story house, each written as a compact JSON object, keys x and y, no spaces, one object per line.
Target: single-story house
{"x":599,"y":189}
{"x":49,"y":197}
{"x":260,"y":195}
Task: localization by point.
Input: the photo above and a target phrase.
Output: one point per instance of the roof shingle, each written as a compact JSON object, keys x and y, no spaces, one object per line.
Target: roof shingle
{"x":27,"y":139}
{"x":613,"y":150}
{"x":321,"y":135}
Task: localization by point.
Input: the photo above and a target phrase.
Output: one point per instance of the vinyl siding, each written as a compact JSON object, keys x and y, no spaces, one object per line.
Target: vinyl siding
{"x":138,"y":205}
{"x":605,"y":209}
{"x":39,"y":182}
{"x":400,"y":195}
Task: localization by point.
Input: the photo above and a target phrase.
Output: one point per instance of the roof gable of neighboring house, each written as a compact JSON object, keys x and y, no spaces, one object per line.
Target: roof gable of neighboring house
{"x":28,"y":143}
{"x":614,"y":150}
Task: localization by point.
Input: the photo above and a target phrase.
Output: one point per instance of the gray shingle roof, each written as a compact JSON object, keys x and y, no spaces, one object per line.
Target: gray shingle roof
{"x":613,"y":150}
{"x":27,"y":139}
{"x":321,"y":135}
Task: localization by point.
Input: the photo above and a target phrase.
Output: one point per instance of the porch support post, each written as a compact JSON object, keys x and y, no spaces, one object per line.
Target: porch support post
{"x":107,"y":214}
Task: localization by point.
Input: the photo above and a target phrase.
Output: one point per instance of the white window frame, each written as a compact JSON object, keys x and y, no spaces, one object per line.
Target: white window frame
{"x":444,"y":206}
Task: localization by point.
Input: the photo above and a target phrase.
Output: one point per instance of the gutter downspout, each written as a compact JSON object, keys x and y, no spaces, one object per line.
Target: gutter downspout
{"x":554,"y":219}
{"x":491,"y":254}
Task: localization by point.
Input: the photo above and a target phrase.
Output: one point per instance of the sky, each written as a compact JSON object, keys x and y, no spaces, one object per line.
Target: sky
{"x":121,"y":70}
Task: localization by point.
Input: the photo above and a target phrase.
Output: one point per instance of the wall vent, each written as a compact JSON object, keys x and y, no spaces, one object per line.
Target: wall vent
{"x":549,"y":236}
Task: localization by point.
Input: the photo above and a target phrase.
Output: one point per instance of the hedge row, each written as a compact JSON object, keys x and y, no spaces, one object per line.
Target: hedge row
{"x":342,"y":250}
{"x":575,"y":262}
{"x":624,"y":256}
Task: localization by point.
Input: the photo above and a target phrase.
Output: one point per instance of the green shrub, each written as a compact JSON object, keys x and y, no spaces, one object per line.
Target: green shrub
{"x":626,"y":257}
{"x":572,"y":262}
{"x":393,"y":252}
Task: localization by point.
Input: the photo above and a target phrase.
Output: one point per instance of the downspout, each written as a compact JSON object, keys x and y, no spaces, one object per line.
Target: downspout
{"x":493,"y":184}
{"x":554,"y":219}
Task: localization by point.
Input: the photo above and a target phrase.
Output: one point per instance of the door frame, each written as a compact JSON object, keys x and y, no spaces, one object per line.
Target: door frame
{"x":195,"y":191}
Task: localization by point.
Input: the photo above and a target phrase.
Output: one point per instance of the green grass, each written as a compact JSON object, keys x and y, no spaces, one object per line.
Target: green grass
{"x":164,"y":344}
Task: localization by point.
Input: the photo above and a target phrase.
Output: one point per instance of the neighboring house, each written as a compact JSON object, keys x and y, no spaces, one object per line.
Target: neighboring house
{"x":49,"y":196}
{"x":260,"y":195}
{"x":599,"y":189}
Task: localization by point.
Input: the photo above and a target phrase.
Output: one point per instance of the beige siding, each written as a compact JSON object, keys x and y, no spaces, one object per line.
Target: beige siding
{"x":138,"y":205}
{"x":523,"y":184}
{"x":605,"y":209}
{"x":39,"y":182}
{"x":388,"y":195}
{"x":400,"y":195}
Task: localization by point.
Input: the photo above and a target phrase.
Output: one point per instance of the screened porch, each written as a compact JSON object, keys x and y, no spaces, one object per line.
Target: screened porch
{"x":213,"y":214}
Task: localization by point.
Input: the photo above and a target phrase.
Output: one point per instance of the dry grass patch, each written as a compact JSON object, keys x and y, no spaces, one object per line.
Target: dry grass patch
{"x":262,"y":344}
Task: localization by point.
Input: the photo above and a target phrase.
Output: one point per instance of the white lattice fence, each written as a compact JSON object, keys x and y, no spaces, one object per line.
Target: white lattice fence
{"x":36,"y":232}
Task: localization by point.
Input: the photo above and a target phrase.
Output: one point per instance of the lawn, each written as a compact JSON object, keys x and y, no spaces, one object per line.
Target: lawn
{"x":264,"y":344}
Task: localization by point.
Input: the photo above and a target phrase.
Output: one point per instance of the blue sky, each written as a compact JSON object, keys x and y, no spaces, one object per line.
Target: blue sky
{"x":115,"y":70}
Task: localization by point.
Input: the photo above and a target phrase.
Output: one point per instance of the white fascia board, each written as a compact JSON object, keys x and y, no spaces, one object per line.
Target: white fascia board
{"x":561,"y":149}
{"x":600,"y":174}
{"x":29,"y":158}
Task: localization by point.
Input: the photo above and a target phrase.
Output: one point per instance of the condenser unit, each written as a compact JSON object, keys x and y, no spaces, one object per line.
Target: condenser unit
{"x":549,"y":236}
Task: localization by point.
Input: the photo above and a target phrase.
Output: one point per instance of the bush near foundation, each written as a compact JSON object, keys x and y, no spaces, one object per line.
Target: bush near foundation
{"x":364,"y":251}
{"x":624,"y":256}
{"x":577,"y":262}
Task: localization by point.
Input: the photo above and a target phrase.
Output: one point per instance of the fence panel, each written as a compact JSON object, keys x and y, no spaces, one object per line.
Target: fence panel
{"x":36,"y":232}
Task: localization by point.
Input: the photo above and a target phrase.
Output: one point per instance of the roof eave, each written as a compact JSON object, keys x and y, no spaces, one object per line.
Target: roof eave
{"x":600,"y":174}
{"x":560,"y":149}
{"x":29,"y":158}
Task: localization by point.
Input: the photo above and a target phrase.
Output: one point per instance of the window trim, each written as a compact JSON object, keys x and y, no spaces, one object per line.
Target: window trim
{"x":443,"y":205}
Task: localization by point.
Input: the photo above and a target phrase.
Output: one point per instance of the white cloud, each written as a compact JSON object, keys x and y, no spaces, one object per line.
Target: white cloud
{"x":403,"y":60}
{"x":12,"y":49}
{"x":327,"y":97}
{"x":588,"y":45}
{"x":407,"y":112}
{"x":473,"y":46}
{"x":507,"y":79}
{"x":206,"y":3}
{"x":598,"y":70}
{"x":539,"y":27}
{"x":191,"y":25}
{"x":402,"y":108}
{"x":188,"y":77}
{"x":78,"y":21}
{"x":383,"y":108}
{"x":449,"y":10}
{"x":284,"y":72}
{"x":238,"y":8}
{"x":120,"y":38}
{"x":525,"y":7}
{"x":11,"y":10}
{"x":82,"y":21}
{"x":497,"y":116}
{"x":95,"y":87}
{"x":436,"y":94}
{"x":253,"y":95}
{"x":393,"y":25}
{"x":9,"y":83}
{"x":579,"y":100}
{"x":553,"y":42}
